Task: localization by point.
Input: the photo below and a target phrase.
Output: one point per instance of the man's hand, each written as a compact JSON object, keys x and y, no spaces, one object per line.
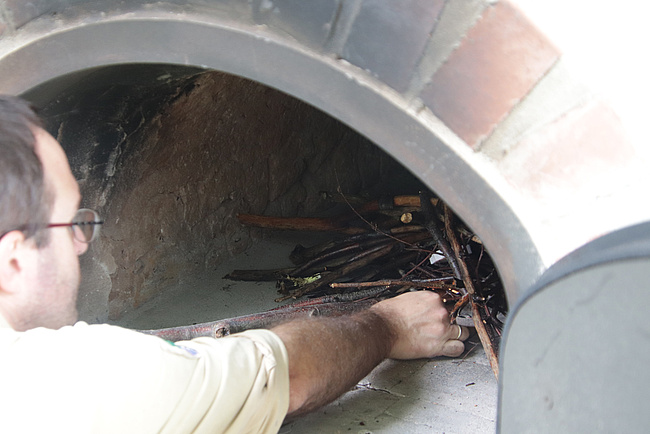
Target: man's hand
{"x":327,"y":356}
{"x":420,"y":326}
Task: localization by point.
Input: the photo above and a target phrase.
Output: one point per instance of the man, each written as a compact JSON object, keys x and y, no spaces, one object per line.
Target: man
{"x":56,"y":377}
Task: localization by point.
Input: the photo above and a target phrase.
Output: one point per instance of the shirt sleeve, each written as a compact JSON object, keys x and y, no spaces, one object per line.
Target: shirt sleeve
{"x":103,"y":378}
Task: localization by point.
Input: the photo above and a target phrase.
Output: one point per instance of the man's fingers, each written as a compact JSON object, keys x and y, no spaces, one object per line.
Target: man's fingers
{"x":453,"y":348}
{"x":420,"y":323}
{"x":458,"y":333}
{"x":454,"y":345}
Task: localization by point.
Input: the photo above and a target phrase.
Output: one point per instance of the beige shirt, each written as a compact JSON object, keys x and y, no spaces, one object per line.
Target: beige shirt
{"x":100,"y":378}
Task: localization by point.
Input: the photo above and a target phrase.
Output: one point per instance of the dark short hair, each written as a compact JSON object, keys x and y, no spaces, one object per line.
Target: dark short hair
{"x":24,"y":200}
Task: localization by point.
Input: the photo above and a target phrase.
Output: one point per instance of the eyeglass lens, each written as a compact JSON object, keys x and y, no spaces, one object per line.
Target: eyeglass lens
{"x":86,"y":225}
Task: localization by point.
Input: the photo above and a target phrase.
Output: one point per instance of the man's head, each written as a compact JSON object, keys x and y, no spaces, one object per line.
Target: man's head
{"x":24,"y":201}
{"x":39,"y":268}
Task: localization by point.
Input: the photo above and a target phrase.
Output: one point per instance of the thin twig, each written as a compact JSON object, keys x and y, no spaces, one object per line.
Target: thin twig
{"x":419,"y":264}
{"x":469,"y":285}
{"x":420,"y":283}
{"x":436,"y":233}
{"x":359,"y":261}
{"x":370,"y":225}
{"x":364,"y":294}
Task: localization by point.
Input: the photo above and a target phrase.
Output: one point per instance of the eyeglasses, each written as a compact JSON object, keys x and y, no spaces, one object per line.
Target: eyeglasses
{"x":84,"y":225}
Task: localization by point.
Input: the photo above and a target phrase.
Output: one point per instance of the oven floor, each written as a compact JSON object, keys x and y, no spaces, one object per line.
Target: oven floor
{"x":440,"y":395}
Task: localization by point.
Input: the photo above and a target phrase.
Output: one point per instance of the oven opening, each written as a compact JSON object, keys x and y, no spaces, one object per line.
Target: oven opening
{"x":223,"y":197}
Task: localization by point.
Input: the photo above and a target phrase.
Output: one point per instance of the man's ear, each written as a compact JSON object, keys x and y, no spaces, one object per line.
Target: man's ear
{"x":12,"y":260}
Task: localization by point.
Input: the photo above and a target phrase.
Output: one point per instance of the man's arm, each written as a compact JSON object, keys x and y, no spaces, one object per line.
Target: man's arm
{"x":327,"y":356}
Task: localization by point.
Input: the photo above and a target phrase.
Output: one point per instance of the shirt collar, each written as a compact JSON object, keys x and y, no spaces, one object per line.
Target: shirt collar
{"x":3,"y":323}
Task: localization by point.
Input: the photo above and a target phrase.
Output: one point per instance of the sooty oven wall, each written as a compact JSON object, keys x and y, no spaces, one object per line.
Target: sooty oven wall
{"x":169,"y":156}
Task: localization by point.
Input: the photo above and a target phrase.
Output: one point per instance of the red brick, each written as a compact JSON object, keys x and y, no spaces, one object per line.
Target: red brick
{"x":584,"y":145}
{"x":495,"y":66}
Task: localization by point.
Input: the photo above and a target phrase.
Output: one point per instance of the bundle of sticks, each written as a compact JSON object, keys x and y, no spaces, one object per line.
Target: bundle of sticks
{"x":383,"y":248}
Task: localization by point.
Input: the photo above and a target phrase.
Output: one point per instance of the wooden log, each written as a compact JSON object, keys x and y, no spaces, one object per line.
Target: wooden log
{"x":402,"y":201}
{"x":299,"y":224}
{"x":483,"y":335}
{"x":337,"y":224}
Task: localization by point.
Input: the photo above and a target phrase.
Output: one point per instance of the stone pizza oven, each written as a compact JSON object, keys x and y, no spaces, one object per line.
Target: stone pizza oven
{"x":175,"y":115}
{"x":526,"y":117}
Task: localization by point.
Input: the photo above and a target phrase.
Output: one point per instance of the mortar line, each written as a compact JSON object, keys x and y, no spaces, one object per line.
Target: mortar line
{"x":346,"y":14}
{"x":430,"y":61}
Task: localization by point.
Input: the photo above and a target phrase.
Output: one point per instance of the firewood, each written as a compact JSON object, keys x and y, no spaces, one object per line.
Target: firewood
{"x":298,"y":224}
{"x":421,"y":283}
{"x":404,"y":201}
{"x":436,"y":232}
{"x":479,"y":324}
{"x":301,"y":254}
{"x":358,"y":261}
{"x":398,"y":257}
